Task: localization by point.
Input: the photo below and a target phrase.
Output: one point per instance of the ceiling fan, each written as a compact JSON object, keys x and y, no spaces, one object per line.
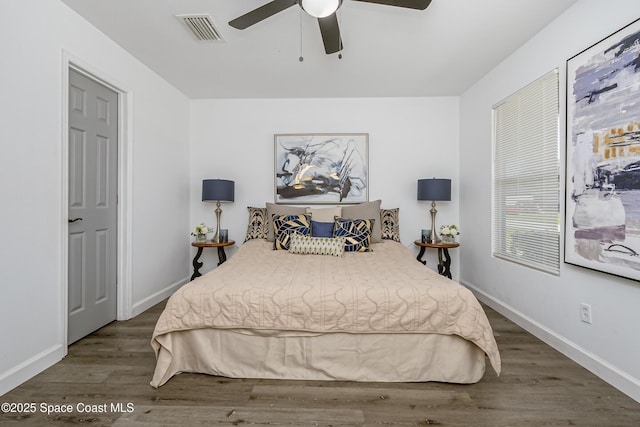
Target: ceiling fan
{"x":324,"y":10}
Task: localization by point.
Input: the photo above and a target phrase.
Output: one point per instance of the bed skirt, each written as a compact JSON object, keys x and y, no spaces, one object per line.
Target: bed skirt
{"x":333,"y":356}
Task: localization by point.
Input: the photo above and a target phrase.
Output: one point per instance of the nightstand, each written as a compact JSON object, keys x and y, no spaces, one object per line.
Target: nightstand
{"x":444,"y":260}
{"x":222,"y":257}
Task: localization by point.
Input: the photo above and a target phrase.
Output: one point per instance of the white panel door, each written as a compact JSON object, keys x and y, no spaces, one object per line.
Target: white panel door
{"x":93,"y":172}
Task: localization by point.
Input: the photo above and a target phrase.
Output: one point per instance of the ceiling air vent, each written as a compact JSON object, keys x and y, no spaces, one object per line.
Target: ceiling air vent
{"x":201,"y":25}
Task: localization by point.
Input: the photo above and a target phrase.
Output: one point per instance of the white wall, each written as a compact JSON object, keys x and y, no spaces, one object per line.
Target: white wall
{"x":409,"y":138}
{"x":177,"y":143}
{"x":33,"y":36}
{"x":545,"y":304}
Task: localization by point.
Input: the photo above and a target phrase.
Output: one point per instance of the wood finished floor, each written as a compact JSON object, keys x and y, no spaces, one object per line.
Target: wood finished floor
{"x":538,"y":387}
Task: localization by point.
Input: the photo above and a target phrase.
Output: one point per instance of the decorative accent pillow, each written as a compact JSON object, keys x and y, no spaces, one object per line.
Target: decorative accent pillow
{"x":307,"y":245}
{"x":357,"y":233}
{"x":390,"y":222}
{"x":257,"y":227}
{"x":324,"y":214}
{"x":273,"y":209}
{"x":366,"y":211}
{"x":287,"y":225}
{"x":321,"y":229}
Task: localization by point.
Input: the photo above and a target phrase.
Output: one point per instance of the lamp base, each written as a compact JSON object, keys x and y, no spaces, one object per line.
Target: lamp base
{"x":216,"y":237}
{"x":434,"y":236}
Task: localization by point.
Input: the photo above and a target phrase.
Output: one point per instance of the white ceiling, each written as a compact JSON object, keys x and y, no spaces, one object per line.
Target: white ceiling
{"x":388,"y":51}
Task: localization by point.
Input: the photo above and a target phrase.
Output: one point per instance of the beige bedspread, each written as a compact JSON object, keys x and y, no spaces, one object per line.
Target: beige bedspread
{"x":260,"y":290}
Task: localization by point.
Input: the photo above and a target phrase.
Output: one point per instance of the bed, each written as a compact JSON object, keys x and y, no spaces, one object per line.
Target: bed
{"x":377,"y":315}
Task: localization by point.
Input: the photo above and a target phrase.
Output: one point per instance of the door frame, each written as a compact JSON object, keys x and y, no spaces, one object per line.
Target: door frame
{"x":124,"y":214}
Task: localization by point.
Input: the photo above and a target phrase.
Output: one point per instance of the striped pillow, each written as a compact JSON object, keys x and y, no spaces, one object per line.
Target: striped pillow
{"x":258,"y":221}
{"x":308,"y":245}
{"x":390,"y":221}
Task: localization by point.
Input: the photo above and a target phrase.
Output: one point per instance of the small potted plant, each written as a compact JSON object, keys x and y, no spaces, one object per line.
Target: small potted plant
{"x":200,"y":231}
{"x":448,"y":233}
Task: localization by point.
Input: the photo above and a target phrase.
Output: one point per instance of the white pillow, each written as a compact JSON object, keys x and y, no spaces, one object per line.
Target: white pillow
{"x":324,"y":214}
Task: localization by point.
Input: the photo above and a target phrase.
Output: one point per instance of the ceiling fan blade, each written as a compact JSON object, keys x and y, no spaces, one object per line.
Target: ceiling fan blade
{"x":260,"y":13}
{"x":330,"y":33}
{"x":409,"y":4}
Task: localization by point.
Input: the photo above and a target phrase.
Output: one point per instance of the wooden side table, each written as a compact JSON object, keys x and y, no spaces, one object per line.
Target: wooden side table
{"x":444,"y":260}
{"x":222,"y":257}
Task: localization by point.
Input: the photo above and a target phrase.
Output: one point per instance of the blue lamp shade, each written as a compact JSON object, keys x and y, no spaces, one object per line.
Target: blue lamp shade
{"x":434,"y":189}
{"x":217,"y":190}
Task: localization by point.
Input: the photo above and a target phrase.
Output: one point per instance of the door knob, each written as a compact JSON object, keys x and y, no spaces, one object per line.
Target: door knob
{"x":74,"y":220}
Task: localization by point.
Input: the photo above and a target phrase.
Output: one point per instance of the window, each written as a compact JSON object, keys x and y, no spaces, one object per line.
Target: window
{"x":526,"y":176}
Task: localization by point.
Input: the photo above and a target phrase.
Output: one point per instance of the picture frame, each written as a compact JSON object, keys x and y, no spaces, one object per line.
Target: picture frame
{"x":321,"y":168}
{"x":602,"y":192}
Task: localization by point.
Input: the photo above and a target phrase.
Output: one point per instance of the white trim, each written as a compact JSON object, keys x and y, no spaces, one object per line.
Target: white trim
{"x":125,"y":192}
{"x":31,"y":367}
{"x":621,"y":380}
{"x":157,"y":297}
{"x":63,"y":304}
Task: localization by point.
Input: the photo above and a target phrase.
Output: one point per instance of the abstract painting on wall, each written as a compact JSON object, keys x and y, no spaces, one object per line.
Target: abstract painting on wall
{"x":321,"y":168}
{"x":602,"y":229}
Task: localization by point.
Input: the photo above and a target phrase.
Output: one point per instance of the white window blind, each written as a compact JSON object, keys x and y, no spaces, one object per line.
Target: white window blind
{"x":526,"y":176}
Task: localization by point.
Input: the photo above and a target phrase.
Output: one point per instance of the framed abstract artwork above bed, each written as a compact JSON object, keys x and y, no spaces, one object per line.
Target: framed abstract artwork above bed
{"x":321,"y":168}
{"x":603,"y":155}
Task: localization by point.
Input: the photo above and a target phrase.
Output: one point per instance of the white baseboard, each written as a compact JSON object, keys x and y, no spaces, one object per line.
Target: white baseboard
{"x":30,"y":368}
{"x":624,"y":382}
{"x":47,"y":358}
{"x":150,"y":301}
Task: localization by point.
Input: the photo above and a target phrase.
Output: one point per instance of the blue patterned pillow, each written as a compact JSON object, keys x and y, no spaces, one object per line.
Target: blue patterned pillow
{"x":286,"y":225}
{"x":357,"y":233}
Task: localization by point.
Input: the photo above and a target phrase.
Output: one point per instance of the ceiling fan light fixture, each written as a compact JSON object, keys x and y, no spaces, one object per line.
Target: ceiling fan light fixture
{"x":320,"y":8}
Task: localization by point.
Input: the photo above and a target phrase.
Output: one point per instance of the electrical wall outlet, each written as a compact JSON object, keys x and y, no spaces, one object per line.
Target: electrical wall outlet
{"x":585,"y":313}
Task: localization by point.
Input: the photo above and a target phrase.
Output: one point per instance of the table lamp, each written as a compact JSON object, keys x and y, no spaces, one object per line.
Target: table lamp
{"x":434,"y":189}
{"x":218,"y":190}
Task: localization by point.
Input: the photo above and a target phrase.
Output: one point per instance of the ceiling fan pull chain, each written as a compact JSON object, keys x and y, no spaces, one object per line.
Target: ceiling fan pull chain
{"x":339,"y":17}
{"x":301,"y":58}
